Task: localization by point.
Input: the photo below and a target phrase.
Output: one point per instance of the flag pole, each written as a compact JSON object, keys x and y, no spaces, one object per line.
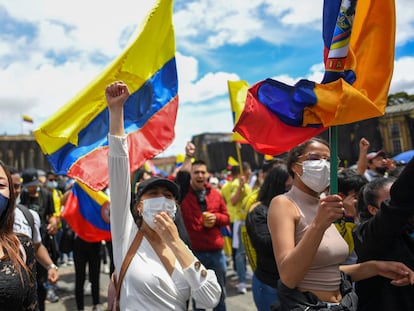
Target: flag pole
{"x":333,"y":142}
{"x":239,"y":158}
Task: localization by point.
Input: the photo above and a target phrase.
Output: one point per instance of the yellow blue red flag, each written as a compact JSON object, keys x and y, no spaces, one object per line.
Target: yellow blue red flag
{"x":359,"y":43}
{"x":74,"y":139}
{"x":87,"y":213}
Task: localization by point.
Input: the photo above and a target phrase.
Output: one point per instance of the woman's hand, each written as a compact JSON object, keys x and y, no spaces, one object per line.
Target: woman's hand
{"x":398,"y":272}
{"x":116,"y":94}
{"x":330,"y":209}
{"x":166,"y":228}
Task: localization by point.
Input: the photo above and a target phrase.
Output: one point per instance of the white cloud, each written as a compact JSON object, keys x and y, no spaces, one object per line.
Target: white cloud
{"x":37,"y":84}
{"x":403,"y":79}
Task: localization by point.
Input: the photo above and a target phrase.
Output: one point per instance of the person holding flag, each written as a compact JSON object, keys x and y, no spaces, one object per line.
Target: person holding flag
{"x":309,"y":250}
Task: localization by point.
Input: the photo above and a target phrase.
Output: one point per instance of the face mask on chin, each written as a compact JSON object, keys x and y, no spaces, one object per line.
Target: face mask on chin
{"x":156,"y":205}
{"x":316,"y":174}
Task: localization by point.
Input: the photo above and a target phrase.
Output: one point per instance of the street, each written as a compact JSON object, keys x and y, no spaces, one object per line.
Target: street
{"x":66,"y":293}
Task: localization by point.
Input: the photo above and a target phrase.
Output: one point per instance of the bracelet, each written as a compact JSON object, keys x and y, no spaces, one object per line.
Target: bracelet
{"x":52,"y":266}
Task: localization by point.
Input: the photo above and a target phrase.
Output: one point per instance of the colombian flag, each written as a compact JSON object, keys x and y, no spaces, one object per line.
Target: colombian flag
{"x":75,"y":138}
{"x":87,"y":213}
{"x":358,"y":71}
{"x":27,"y":119}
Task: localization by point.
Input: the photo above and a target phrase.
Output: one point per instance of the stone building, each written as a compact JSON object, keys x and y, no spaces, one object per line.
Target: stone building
{"x":393,"y":132}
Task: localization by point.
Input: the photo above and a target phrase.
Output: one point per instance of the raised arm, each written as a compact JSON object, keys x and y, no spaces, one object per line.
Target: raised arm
{"x":362,"y":162}
{"x":189,"y":154}
{"x":116,"y":94}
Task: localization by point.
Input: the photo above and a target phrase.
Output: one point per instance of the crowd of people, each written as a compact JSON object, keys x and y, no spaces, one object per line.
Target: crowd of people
{"x":308,"y":249}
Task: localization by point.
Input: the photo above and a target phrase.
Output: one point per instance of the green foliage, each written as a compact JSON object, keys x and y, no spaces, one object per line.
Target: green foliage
{"x":399,"y":98}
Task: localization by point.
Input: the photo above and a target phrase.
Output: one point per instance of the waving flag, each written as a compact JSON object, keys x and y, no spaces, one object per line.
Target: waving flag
{"x":358,"y":71}
{"x":87,"y":213}
{"x":75,"y":138}
{"x":27,"y":119}
{"x":237,"y":93}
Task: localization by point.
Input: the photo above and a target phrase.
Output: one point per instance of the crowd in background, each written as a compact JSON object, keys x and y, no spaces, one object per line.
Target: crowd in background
{"x":223,"y":217}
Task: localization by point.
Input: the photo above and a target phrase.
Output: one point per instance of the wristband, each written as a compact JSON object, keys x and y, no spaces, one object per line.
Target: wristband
{"x":52,"y":266}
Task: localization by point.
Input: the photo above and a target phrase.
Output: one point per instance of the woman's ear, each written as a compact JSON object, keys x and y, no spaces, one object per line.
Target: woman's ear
{"x":372,"y":209}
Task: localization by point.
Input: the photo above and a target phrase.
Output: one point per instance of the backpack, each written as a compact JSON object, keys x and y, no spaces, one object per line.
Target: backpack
{"x":28,"y":215}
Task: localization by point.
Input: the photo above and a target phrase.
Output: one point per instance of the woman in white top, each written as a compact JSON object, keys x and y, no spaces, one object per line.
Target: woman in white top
{"x":163,"y":274}
{"x":308,"y":248}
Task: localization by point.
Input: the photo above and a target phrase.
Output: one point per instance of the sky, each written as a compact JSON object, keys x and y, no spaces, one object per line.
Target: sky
{"x":50,"y":50}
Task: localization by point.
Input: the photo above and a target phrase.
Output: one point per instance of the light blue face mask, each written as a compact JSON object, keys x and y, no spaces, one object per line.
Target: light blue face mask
{"x":4,"y":202}
{"x":52,"y":184}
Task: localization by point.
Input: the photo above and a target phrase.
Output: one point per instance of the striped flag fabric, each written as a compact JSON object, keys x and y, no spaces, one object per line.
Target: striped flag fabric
{"x":74,"y":139}
{"x":359,"y":43}
{"x":87,"y":213}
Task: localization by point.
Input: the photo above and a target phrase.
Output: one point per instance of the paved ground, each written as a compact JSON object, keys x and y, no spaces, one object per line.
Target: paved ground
{"x":66,"y":292}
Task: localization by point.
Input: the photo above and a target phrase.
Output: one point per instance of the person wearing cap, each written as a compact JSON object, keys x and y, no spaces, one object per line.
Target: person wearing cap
{"x":23,"y":225}
{"x":374,"y":164}
{"x":163,"y":273}
{"x":37,"y":198}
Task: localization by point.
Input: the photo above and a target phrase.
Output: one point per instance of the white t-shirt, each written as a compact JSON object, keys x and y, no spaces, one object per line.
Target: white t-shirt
{"x":147,"y":285}
{"x":22,"y":225}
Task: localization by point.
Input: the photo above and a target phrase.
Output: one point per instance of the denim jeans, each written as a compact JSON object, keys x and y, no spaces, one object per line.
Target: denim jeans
{"x":215,"y":260}
{"x":263,"y":295}
{"x":241,"y":259}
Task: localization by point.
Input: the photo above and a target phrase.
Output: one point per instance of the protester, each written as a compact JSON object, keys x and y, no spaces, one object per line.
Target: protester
{"x":51,"y":185}
{"x":205,"y":214}
{"x":264,"y":282}
{"x":308,"y":248}
{"x":17,"y":260}
{"x":29,"y":224}
{"x":35,"y":197}
{"x":234,"y":192}
{"x":385,"y":233}
{"x":374,"y":164}
{"x":85,"y":252}
{"x":349,"y":185}
{"x":163,"y":273}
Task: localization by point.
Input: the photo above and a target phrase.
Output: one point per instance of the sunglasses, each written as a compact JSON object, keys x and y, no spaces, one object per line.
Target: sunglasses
{"x":316,"y":157}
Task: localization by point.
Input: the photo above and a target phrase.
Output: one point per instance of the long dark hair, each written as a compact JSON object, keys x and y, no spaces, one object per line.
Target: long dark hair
{"x":8,"y":239}
{"x":274,"y":184}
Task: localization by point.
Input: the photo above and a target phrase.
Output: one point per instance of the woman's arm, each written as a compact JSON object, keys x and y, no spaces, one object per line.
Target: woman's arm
{"x":398,"y":272}
{"x":116,"y":94}
{"x":293,"y":260}
{"x":122,"y":225}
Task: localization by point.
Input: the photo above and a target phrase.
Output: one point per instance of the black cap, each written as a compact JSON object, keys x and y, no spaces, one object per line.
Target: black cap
{"x":156,"y":181}
{"x":30,"y":177}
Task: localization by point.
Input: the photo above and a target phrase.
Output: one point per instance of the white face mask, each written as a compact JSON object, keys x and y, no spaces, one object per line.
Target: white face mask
{"x":316,"y":174}
{"x":156,"y":205}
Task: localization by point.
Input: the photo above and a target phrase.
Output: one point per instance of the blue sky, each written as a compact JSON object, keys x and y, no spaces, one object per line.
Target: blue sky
{"x":49,"y":50}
